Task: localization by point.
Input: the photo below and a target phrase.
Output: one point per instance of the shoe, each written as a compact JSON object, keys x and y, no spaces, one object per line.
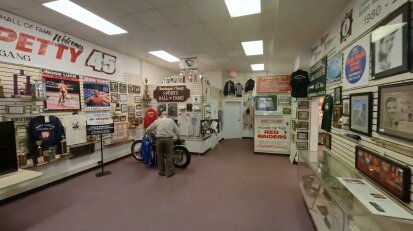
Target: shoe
{"x":171,"y":174}
{"x":161,"y":173}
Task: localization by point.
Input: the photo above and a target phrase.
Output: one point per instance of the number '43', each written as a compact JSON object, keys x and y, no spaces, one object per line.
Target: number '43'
{"x":101,"y":62}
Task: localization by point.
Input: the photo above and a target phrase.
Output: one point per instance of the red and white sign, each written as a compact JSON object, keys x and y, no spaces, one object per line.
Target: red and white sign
{"x":273,"y":84}
{"x":28,"y":43}
{"x":272,"y":134}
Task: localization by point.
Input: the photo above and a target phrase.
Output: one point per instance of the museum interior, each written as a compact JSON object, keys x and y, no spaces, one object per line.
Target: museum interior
{"x":206,"y":115}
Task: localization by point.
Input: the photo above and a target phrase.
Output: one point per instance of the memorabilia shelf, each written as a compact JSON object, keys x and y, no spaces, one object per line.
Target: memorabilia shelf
{"x":330,"y":204}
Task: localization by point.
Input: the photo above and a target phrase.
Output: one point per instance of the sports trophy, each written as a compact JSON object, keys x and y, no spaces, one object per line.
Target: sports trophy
{"x":23,"y":91}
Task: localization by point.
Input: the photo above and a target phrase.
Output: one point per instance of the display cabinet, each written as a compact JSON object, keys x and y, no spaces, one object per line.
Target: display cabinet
{"x":330,"y":204}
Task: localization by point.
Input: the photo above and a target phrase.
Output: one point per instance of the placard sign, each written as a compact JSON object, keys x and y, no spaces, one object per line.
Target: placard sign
{"x":274,"y":83}
{"x":272,"y":134}
{"x":318,"y":76}
{"x":171,"y":93}
{"x":357,"y":64}
{"x":99,"y":123}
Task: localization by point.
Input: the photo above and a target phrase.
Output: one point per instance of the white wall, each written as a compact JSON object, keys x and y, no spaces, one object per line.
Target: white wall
{"x":155,"y":74}
{"x":215,"y":78}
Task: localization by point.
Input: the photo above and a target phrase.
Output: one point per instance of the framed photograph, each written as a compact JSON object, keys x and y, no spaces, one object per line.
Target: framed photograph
{"x":123,"y":117}
{"x":137,"y":99}
{"x":136,"y":89}
{"x":266,"y":103}
{"x":172,"y":109}
{"x":138,"y":107}
{"x":303,"y":115}
{"x":361,"y":105}
{"x":303,"y":104}
{"x":337,"y":95}
{"x":337,"y":114}
{"x":302,"y":135}
{"x":35,"y":109}
{"x":302,"y":145}
{"x":114,"y":97}
{"x":284,"y":101}
{"x":390,"y":44}
{"x":122,"y":88}
{"x":124,"y":108}
{"x":15,"y":110}
{"x":334,"y":66}
{"x":327,"y":140}
{"x":130,"y":89}
{"x":209,"y":126}
{"x":286,"y":111}
{"x":96,"y":94}
{"x":303,"y":125}
{"x":346,"y":107}
{"x":114,"y":86}
{"x":395,"y":110}
{"x":123,"y":97}
{"x":207,"y":111}
{"x":393,"y":176}
{"x":116,"y":119}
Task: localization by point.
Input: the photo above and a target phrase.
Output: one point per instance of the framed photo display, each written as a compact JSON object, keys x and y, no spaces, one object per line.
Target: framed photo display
{"x":302,"y":125}
{"x":361,"y":112}
{"x":136,"y":89}
{"x":334,"y":66}
{"x":124,"y":108}
{"x":302,"y":145}
{"x":346,"y":107}
{"x":303,"y":115}
{"x":303,"y":104}
{"x":337,"y":113}
{"x":390,"y":44}
{"x":286,"y":110}
{"x":337,"y":96}
{"x":114,"y":97}
{"x":114,"y":87}
{"x":122,"y":88}
{"x":302,"y":135}
{"x":393,"y":176}
{"x":395,"y":111}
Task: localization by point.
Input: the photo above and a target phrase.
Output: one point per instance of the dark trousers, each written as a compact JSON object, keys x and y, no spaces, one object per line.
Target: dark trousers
{"x":164,"y":154}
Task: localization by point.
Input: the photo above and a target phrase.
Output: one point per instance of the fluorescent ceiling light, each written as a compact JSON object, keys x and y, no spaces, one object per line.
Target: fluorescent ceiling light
{"x":164,"y":55}
{"x":237,"y":8}
{"x":257,"y":67}
{"x":253,"y":47}
{"x":84,"y":16}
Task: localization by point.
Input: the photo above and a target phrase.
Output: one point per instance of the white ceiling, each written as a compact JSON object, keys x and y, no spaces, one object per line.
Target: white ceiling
{"x":201,"y":28}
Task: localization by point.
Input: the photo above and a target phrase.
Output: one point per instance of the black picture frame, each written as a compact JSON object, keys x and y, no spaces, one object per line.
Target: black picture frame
{"x":394,"y":101}
{"x":210,"y":126}
{"x":123,"y":88}
{"x":131,"y":89}
{"x":124,"y":108}
{"x":383,"y":62}
{"x":302,"y":135}
{"x":136,"y":89}
{"x":389,"y":174}
{"x":337,"y":95}
{"x":361,"y":105}
{"x":303,"y":115}
{"x":346,"y":106}
{"x":114,"y":86}
{"x":302,"y":145}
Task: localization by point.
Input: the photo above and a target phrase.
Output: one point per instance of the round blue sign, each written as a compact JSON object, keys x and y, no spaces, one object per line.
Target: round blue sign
{"x":355,"y":64}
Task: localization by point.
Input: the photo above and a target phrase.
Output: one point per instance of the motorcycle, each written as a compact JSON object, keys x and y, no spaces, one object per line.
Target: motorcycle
{"x":181,"y":158}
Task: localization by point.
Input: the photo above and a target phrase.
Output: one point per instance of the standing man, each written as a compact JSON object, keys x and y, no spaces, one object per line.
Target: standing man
{"x":63,"y":92}
{"x":165,"y":130}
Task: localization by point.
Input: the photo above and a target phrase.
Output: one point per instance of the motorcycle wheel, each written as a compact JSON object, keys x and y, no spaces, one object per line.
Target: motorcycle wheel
{"x":136,"y":150}
{"x":182,"y":157}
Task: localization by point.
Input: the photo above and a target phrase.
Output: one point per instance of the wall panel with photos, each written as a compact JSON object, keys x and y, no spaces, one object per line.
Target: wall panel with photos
{"x":384,"y":143}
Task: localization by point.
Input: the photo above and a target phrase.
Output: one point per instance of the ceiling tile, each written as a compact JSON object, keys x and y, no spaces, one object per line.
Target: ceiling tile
{"x":209,"y":10}
{"x":179,"y":14}
{"x":131,"y":6}
{"x":163,"y":3}
{"x":153,"y":19}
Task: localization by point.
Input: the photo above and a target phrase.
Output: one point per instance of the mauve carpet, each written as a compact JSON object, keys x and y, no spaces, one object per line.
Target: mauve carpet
{"x":230,"y":191}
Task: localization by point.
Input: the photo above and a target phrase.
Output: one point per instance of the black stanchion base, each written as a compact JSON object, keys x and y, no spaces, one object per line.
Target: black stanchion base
{"x":104,"y":173}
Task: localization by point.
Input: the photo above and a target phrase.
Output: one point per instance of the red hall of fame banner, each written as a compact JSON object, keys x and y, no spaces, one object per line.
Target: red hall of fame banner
{"x":273,"y":84}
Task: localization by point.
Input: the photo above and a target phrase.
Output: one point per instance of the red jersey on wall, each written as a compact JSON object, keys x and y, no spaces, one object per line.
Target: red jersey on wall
{"x":150,"y":116}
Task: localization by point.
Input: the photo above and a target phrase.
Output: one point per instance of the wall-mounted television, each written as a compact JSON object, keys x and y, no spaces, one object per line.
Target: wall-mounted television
{"x":8,"y":155}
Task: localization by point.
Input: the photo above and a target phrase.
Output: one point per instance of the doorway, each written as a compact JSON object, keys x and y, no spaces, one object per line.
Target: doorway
{"x":232,"y":119}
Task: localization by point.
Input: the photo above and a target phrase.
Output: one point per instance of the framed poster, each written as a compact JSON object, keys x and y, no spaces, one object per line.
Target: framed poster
{"x":337,"y":114}
{"x":357,"y":63}
{"x":96,"y":94}
{"x":393,"y":176}
{"x":390,"y":44}
{"x":334,"y":66}
{"x":346,"y":107}
{"x":122,"y":88}
{"x":361,"y":113}
{"x":303,"y":115}
{"x":114,"y":87}
{"x":318,"y":76}
{"x":114,"y":97}
{"x":273,"y":84}
{"x":284,"y":101}
{"x":16,"y":109}
{"x":302,"y":145}
{"x":302,"y":135}
{"x":303,"y":125}
{"x":130,"y":89}
{"x":124,"y":108}
{"x":123,"y":97}
{"x":337,"y":96}
{"x":286,"y":111}
{"x":395,"y":112}
{"x":209,"y":126}
{"x":303,"y":104}
{"x":62,"y":91}
{"x":266,"y":103}
{"x":136,"y":89}
{"x":272,"y":134}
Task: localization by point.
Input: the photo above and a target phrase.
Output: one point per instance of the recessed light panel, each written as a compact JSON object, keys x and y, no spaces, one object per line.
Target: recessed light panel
{"x":257,"y":67}
{"x":164,"y":55}
{"x":237,"y":8}
{"x":253,"y":48}
{"x":84,"y":16}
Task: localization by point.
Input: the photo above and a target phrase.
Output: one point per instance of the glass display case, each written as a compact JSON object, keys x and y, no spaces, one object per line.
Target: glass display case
{"x":330,"y":204}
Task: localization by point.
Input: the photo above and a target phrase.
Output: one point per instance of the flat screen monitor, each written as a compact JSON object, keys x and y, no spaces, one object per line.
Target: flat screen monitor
{"x":8,"y":155}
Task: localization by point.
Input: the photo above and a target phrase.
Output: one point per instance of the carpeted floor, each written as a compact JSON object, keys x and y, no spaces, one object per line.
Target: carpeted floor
{"x":232,"y":191}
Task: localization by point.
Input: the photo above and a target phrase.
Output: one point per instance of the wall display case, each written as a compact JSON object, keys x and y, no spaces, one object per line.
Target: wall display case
{"x":331,"y":205}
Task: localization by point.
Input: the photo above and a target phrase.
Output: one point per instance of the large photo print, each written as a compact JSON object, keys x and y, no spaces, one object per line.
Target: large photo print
{"x":396,"y":110}
{"x":62,"y":91}
{"x":96,"y":94}
{"x":361,"y":113}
